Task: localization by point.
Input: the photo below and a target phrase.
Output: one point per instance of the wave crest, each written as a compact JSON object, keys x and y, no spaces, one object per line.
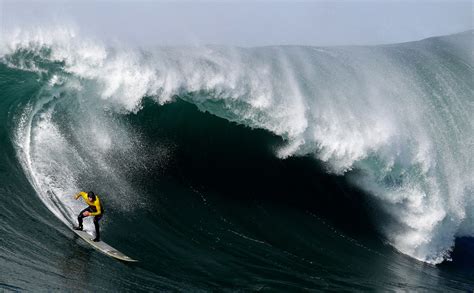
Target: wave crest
{"x":396,"y":119}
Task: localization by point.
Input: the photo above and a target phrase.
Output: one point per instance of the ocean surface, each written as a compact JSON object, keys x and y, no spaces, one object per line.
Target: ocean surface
{"x":282,"y":168}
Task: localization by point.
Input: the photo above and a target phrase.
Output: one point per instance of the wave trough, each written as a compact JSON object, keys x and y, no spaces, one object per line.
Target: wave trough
{"x":395,"y":119}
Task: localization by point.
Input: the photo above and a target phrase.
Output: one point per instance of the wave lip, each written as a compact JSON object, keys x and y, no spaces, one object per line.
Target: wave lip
{"x":395,"y":119}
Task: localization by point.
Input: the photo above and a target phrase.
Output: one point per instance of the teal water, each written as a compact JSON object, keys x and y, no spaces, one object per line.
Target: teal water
{"x":276,"y":168}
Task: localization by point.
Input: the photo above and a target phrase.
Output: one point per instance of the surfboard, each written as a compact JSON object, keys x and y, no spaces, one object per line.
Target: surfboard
{"x":103,"y":247}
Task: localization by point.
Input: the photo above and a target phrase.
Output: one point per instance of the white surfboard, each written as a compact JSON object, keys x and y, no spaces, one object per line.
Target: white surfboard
{"x":103,"y":247}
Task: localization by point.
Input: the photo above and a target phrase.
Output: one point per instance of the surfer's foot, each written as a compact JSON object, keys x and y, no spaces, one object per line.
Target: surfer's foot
{"x":77,"y":228}
{"x":96,"y":239}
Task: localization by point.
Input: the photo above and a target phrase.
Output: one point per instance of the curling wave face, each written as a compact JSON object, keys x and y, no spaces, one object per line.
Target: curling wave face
{"x":394,"y":119}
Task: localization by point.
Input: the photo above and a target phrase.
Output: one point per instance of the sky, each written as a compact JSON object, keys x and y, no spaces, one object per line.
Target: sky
{"x":244,"y":23}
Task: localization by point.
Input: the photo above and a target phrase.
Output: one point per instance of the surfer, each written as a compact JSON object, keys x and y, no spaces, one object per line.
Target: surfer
{"x":94,"y":209}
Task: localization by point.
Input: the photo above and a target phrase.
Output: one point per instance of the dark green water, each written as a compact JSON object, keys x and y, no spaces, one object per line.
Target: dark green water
{"x":203,"y":203}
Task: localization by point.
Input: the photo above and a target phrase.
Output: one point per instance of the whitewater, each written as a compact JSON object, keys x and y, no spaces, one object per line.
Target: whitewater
{"x":396,"y":120}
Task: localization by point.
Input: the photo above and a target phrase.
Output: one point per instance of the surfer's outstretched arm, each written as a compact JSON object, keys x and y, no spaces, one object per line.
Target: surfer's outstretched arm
{"x":82,"y":193}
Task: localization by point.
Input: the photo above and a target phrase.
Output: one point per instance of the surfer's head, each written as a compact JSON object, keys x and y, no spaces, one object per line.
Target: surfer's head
{"x":91,"y":196}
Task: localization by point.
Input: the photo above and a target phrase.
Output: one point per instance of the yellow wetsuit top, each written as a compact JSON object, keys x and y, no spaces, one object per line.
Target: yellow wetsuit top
{"x":94,"y":205}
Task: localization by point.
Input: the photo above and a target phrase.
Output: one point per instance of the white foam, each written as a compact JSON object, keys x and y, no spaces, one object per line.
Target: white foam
{"x":353,"y":108}
{"x":39,"y":150}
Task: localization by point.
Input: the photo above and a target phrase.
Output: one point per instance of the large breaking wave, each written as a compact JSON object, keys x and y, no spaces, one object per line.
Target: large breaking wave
{"x":395,"y":119}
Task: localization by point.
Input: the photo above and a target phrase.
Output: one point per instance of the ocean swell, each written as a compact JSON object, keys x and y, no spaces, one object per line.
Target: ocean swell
{"x":395,"y":119}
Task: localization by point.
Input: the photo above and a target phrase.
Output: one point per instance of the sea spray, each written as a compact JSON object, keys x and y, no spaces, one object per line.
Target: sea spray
{"x":395,"y":119}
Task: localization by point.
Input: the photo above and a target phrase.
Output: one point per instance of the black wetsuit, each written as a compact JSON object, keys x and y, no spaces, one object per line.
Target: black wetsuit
{"x":92,"y":209}
{"x":95,"y":209}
